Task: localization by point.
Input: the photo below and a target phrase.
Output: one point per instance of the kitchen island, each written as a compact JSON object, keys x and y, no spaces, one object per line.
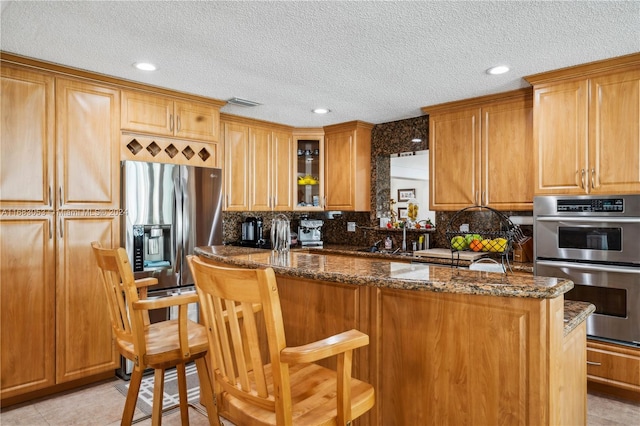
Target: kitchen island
{"x":447,"y":346}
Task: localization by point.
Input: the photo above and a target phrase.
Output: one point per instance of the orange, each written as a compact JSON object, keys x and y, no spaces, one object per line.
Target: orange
{"x":475,"y":245}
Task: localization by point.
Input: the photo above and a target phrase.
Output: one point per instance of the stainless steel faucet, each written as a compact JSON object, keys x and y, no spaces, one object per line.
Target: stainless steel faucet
{"x":404,"y":237}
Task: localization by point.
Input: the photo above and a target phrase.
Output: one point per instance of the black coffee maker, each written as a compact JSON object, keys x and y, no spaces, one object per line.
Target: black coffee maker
{"x":252,"y":232}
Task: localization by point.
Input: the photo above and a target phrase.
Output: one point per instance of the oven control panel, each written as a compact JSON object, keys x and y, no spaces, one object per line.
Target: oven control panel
{"x":592,"y":205}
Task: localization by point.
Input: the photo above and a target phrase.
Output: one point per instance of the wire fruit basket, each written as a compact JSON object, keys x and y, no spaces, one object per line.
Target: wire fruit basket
{"x":494,"y":238}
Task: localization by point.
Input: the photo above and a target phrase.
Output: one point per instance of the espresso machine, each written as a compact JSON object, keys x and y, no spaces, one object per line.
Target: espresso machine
{"x":309,"y":234}
{"x":252,"y":232}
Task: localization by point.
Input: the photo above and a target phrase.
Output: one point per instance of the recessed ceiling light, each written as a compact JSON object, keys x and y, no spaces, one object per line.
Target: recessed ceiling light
{"x":321,"y":110}
{"x":145,"y":66}
{"x":500,"y":69}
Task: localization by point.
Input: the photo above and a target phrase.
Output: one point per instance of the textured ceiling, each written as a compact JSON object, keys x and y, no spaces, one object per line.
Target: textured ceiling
{"x":370,"y":61}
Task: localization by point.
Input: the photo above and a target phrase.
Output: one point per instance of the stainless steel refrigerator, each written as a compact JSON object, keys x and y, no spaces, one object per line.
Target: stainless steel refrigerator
{"x":170,"y":210}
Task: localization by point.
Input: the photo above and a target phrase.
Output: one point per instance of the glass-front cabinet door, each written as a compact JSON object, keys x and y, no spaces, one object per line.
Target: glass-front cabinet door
{"x":309,"y":188}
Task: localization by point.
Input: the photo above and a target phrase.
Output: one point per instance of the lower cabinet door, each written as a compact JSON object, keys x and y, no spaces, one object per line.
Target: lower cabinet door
{"x":27,"y":318}
{"x":85,"y":345}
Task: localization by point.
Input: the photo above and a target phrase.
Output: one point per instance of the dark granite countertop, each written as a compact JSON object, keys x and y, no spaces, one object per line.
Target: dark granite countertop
{"x":575,"y":313}
{"x":358,"y":251}
{"x":383,"y":272}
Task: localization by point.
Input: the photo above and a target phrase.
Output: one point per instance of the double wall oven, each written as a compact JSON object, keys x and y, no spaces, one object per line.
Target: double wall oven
{"x":595,"y":242}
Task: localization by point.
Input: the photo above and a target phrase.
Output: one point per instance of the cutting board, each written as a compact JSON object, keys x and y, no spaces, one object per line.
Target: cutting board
{"x":444,"y":253}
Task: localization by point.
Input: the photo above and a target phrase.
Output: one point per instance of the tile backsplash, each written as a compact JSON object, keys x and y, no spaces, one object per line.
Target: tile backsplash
{"x":386,"y":139}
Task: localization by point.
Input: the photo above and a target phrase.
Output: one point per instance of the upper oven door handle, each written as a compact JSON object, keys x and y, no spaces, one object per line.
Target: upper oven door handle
{"x":599,"y":219}
{"x":590,"y":267}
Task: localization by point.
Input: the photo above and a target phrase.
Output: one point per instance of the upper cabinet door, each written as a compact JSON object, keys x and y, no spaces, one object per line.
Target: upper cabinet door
{"x":282,"y":175}
{"x":507,"y":147}
{"x":158,"y":115}
{"x":147,"y":113}
{"x":196,"y":121}
{"x":236,"y":167}
{"x":347,"y":166}
{"x":308,"y":169}
{"x":560,"y":138}
{"x":339,"y":176}
{"x":614,"y":134}
{"x":27,"y":135}
{"x":88,"y":150}
{"x":587,"y":128}
{"x":454,"y":157}
{"x":261,"y":168}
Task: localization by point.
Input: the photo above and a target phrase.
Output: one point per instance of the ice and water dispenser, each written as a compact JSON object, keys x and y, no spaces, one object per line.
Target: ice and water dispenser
{"x":151,"y":247}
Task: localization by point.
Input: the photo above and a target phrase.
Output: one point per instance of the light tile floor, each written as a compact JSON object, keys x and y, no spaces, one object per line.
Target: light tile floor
{"x":102,"y":404}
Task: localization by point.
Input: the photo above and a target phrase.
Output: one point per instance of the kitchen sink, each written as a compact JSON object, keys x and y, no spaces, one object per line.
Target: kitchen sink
{"x":383,"y":251}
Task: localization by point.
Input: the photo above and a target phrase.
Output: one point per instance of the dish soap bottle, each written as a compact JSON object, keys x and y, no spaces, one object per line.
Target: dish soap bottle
{"x":388,"y":243}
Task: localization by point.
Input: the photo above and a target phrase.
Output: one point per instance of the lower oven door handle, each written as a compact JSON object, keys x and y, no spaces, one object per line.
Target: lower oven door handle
{"x":583,"y":267}
{"x":599,"y":219}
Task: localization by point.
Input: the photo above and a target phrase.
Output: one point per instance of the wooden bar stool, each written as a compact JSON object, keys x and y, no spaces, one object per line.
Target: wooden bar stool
{"x":160,"y":345}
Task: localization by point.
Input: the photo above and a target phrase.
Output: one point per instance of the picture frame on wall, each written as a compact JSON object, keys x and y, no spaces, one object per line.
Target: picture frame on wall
{"x":406,"y":194}
{"x":402,"y":213}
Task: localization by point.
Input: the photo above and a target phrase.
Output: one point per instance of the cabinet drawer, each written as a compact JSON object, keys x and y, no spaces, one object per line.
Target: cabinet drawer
{"x":613,"y":364}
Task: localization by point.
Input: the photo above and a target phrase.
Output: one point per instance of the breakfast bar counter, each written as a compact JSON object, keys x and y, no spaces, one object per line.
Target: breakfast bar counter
{"x":447,"y":345}
{"x":386,"y":272}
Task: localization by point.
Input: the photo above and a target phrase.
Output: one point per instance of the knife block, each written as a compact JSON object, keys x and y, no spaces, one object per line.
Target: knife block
{"x":523,"y":251}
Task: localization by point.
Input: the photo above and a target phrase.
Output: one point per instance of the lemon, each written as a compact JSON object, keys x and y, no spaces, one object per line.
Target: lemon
{"x":485,"y":245}
{"x":501,"y":244}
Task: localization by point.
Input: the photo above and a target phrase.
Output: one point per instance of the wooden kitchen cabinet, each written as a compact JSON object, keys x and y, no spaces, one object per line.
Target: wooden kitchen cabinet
{"x":308,"y":144}
{"x":85,"y":345}
{"x":480,"y":152}
{"x":27,"y":284}
{"x":587,"y":128}
{"x":159,"y":115}
{"x":55,"y":325}
{"x":236,"y":167}
{"x":347,"y":166}
{"x":27,"y":133}
{"x":258,"y":165}
{"x":573,"y":377}
{"x":614,"y":369}
{"x":88,"y":154}
{"x":271,"y":170}
{"x":282,"y":158}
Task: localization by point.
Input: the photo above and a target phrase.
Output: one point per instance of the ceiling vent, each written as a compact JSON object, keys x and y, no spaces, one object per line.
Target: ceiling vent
{"x":243,"y":102}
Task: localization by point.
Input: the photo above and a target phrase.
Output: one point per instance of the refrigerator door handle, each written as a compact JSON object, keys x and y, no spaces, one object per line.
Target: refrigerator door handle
{"x":177,"y":225}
